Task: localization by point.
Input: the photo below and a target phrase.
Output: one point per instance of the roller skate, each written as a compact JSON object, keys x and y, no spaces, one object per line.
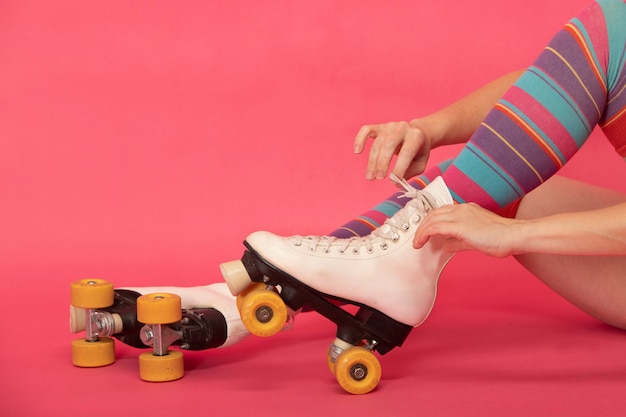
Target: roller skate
{"x":194,"y":318}
{"x":392,"y":285}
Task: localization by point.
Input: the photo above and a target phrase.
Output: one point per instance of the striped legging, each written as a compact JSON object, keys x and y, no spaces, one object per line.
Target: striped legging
{"x":576,"y":83}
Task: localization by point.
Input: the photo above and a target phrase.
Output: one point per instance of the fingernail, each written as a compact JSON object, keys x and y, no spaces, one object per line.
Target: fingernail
{"x":369,"y":175}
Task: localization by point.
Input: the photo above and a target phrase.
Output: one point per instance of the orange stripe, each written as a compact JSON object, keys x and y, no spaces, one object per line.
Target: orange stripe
{"x":580,"y":40}
{"x":530,"y":132}
{"x":349,"y":230}
{"x":419,"y":181}
{"x":365,"y":222}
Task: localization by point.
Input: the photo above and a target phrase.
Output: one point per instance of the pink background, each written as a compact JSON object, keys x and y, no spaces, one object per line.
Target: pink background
{"x":142,"y":141}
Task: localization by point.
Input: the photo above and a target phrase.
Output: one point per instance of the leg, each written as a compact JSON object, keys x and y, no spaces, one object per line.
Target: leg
{"x":595,"y":284}
{"x":576,"y":83}
{"x":376,"y":216}
{"x":537,"y":126}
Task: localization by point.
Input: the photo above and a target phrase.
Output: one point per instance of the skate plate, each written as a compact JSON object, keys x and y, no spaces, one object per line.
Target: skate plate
{"x":350,"y":356}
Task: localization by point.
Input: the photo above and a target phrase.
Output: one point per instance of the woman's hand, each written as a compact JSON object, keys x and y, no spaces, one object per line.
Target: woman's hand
{"x":411,"y":143}
{"x":469,"y":227}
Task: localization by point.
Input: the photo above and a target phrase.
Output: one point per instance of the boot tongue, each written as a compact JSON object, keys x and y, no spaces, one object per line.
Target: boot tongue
{"x":437,"y":193}
{"x":434,"y":195}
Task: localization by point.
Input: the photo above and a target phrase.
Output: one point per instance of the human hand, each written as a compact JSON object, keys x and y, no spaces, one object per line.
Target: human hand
{"x":409,"y":142}
{"x":468,"y":227}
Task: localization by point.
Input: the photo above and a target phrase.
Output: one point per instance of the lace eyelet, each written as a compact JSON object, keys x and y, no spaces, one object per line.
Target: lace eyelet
{"x":355,"y":251}
{"x":297,"y":244}
{"x":342,"y":251}
{"x":370,"y":251}
{"x":406,"y":226}
{"x":395,"y":238}
{"x":384,"y":246}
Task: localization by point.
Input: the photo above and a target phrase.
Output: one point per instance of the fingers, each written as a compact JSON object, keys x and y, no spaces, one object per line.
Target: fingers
{"x":467,"y":227}
{"x":437,"y":223}
{"x":381,"y":153}
{"x":364,"y":133}
{"x":368,"y":132}
{"x":412,"y":155}
{"x":389,"y":139}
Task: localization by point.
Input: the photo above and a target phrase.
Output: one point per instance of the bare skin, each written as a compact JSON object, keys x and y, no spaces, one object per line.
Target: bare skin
{"x":571,"y":235}
{"x":412,"y":141}
{"x":565,"y":233}
{"x":594,"y":283}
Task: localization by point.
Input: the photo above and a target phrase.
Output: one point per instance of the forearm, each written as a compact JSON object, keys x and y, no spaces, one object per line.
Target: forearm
{"x":457,"y":122}
{"x":597,"y":232}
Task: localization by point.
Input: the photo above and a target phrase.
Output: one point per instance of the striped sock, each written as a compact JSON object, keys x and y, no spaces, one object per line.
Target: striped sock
{"x":577,"y":82}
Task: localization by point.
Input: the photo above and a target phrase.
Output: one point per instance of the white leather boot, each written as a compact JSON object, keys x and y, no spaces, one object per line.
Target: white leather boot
{"x":382,"y":271}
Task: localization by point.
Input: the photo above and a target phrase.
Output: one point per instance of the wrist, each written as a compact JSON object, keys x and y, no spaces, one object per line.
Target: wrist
{"x":432,"y":127}
{"x":518,"y":236}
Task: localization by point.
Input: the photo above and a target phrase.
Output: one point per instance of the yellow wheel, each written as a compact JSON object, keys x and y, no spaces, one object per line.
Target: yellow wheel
{"x":91,"y":293}
{"x":93,"y":354}
{"x":159,"y":308}
{"x":242,"y":295}
{"x":263,"y":313}
{"x":164,"y":368}
{"x":357,"y":370}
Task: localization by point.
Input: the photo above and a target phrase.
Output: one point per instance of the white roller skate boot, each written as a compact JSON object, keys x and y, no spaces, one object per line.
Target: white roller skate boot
{"x":382,"y":271}
{"x":393,"y":284}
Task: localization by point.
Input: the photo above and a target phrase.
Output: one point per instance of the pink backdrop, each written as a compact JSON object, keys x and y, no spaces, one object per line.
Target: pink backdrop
{"x":142,"y":141}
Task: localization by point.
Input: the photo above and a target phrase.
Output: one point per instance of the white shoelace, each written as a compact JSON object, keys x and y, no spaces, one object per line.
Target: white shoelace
{"x":421,"y":202}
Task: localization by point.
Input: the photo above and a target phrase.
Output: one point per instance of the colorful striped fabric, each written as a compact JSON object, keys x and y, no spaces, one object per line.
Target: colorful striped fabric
{"x":576,"y":83}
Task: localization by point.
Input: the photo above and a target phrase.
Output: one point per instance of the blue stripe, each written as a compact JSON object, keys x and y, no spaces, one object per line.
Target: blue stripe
{"x":536,"y":129}
{"x":499,"y":186}
{"x":539,"y":85}
{"x":388,"y":208}
{"x":615,"y":18}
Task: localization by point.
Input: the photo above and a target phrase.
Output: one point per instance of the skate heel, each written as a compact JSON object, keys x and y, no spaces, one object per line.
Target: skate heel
{"x":236,"y":276}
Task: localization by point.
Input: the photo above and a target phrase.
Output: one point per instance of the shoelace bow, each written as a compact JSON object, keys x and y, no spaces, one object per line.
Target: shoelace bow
{"x":421,"y":202}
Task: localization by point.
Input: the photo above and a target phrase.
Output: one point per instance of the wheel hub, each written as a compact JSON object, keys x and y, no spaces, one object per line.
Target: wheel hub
{"x":264,"y":314}
{"x":358,"y":372}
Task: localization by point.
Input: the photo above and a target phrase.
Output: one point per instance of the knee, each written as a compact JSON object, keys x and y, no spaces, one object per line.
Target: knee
{"x":619,"y":324}
{"x":617,"y":320}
